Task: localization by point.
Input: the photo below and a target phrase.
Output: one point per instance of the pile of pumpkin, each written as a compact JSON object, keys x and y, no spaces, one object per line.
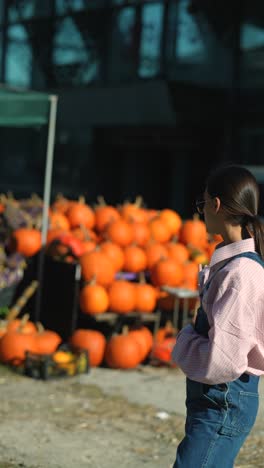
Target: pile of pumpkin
{"x":109,"y":240}
{"x":122,"y":351}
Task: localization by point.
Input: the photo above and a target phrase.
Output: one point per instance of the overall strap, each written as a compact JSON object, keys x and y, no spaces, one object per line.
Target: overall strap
{"x":252,"y":255}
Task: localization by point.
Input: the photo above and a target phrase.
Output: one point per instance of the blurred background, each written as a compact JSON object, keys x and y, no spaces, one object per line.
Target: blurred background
{"x":152,"y":94}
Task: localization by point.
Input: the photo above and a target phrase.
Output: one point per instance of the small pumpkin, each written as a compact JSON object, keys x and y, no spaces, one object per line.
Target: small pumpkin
{"x":163,"y":350}
{"x":80,"y":213}
{"x":97,"y":264}
{"x":120,"y":232}
{"x":167,"y":272}
{"x":159,"y":230}
{"x":115,"y":253}
{"x":94,"y":299}
{"x":145,"y":296}
{"x":14,"y":344}
{"x":135,"y":259}
{"x":178,"y":251}
{"x":47,"y":341}
{"x":164,"y":332}
{"x":133,"y":212}
{"x":26,"y":241}
{"x":155,"y":252}
{"x":105,"y":215}
{"x":122,"y":296}
{"x":172,"y":219}
{"x":141,"y":233}
{"x":194,"y":232}
{"x":58,"y":220}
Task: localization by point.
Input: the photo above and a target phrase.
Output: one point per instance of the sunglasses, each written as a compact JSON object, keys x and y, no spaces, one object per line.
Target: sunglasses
{"x":200,"y":206}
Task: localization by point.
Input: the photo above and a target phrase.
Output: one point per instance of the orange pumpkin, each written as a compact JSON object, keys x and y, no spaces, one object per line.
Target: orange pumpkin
{"x":211,"y":248}
{"x":92,"y":341}
{"x":120,"y":232}
{"x":167,"y":272}
{"x":172,"y":219}
{"x":23,"y":325}
{"x":159,"y":230}
{"x":193,"y":232}
{"x":47,"y":341}
{"x":26,"y":241}
{"x":61,"y":204}
{"x":14,"y":344}
{"x":122,"y":296}
{"x":104,"y":214}
{"x":123,"y":352}
{"x":135,"y":259}
{"x":82,"y":233}
{"x":94,"y":299}
{"x":155,"y":252}
{"x":165,"y":332}
{"x":115,"y":253}
{"x":97,"y":265}
{"x":178,"y":251}
{"x":80,"y":214}
{"x":142,"y":340}
{"x":163,"y":351}
{"x":58,"y":221}
{"x":145,"y":297}
{"x":190,"y":275}
{"x":53,"y":234}
{"x":141,"y":234}
{"x":133,"y":212}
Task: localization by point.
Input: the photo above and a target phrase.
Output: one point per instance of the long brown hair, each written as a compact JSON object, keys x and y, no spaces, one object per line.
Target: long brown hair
{"x":238,"y":191}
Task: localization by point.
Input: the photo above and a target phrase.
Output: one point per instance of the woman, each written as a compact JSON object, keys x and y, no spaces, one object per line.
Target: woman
{"x":222,"y":355}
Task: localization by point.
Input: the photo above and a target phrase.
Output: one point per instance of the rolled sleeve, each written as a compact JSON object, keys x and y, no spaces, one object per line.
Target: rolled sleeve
{"x":223,"y":356}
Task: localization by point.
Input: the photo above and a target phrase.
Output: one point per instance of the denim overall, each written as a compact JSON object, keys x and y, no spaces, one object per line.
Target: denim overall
{"x":219,"y":417}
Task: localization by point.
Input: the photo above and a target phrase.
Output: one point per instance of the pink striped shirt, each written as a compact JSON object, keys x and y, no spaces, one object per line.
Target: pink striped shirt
{"x":234,"y":304}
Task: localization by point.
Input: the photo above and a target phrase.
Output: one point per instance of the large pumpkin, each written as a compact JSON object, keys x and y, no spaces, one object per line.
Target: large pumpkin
{"x":122,"y":296}
{"x":91,"y":340}
{"x":123,"y":352}
{"x":94,"y":299}
{"x":97,"y":265}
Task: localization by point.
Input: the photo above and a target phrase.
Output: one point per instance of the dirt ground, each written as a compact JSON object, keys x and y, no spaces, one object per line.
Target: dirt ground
{"x":73,"y":423}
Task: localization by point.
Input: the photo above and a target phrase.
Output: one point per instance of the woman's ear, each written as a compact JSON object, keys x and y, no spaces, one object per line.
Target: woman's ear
{"x":217,"y":204}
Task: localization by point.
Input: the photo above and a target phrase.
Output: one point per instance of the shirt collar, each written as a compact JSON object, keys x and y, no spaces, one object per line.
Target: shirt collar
{"x":230,"y":250}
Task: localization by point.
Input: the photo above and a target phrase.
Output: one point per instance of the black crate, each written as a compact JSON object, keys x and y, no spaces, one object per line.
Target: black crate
{"x":44,"y":367}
